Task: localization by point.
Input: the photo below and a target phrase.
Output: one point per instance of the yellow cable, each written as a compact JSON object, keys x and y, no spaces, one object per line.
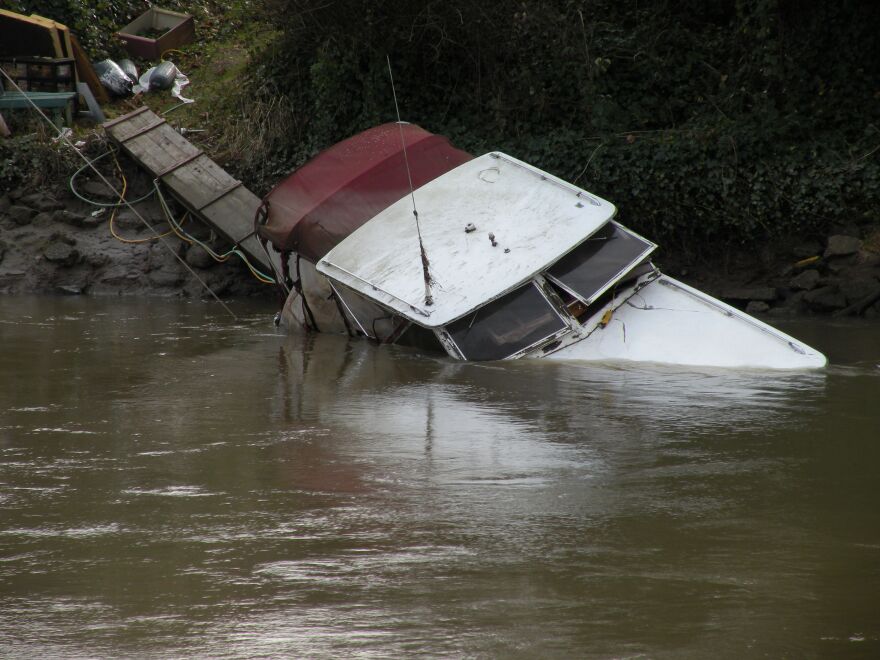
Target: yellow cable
{"x":260,"y":278}
{"x":178,"y":233}
{"x":175,"y":229}
{"x":221,"y":258}
{"x":116,"y":208}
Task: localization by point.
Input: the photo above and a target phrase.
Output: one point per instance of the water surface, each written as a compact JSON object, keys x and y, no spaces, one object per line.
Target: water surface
{"x":174,"y":483}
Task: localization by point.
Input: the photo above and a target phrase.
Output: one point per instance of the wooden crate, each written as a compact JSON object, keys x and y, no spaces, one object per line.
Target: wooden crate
{"x":40,"y":74}
{"x":155,"y":32}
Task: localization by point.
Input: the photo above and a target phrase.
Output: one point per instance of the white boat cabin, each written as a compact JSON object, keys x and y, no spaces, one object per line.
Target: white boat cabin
{"x":523,"y":264}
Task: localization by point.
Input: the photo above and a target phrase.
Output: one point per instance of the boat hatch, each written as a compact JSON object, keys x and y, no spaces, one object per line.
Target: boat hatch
{"x":596,"y":264}
{"x":487,"y":227}
{"x":507,"y":325}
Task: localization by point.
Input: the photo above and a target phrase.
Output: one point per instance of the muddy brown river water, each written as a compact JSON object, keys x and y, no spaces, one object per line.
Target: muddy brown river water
{"x":177,"y":484}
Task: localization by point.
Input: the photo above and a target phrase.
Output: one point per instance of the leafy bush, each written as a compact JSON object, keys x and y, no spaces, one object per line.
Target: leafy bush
{"x":95,"y":21}
{"x":34,"y":159}
{"x":706,"y":122}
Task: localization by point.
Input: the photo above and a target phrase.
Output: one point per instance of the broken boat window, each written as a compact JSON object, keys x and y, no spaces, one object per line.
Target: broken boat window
{"x":592,"y":267}
{"x":583,"y":311}
{"x":364,"y":317}
{"x":506,"y":326}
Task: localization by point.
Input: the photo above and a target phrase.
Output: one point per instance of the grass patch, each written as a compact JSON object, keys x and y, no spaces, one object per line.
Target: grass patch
{"x":236,"y":118}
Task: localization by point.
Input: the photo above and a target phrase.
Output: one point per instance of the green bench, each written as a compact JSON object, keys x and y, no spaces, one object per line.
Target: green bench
{"x":54,"y":101}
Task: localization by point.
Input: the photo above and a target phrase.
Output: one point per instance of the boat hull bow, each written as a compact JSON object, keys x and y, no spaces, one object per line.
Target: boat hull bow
{"x":669,"y":322}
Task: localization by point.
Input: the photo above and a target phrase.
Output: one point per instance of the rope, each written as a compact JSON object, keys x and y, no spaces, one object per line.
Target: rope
{"x":93,"y":202}
{"x":177,"y":229}
{"x":119,"y":238}
{"x":62,"y":136}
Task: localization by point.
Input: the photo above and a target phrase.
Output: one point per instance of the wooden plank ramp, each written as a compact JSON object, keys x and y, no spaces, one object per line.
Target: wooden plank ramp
{"x":196,"y":181}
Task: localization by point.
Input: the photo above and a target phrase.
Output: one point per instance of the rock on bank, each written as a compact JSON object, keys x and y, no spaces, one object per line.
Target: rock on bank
{"x":838,"y":275}
{"x":51,"y":242}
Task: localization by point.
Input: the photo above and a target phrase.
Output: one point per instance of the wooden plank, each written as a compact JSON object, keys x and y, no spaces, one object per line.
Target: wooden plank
{"x":233,"y":217}
{"x":202,"y":186}
{"x":39,"y":99}
{"x":234,"y":214}
{"x":66,"y":43}
{"x":158,"y":162}
{"x":179,"y":163}
{"x":220,"y":196}
{"x":85,"y":71}
{"x":107,"y":125}
{"x":89,"y":100}
{"x":199,"y":182}
{"x":122,"y":130}
{"x":156,"y":123}
{"x":161,"y":149}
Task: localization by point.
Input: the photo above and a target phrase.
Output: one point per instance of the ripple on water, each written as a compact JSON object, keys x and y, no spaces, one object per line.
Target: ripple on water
{"x":172,"y":491}
{"x":166,"y":452}
{"x":61,"y":429}
{"x":88,"y":531}
{"x":367,"y":566}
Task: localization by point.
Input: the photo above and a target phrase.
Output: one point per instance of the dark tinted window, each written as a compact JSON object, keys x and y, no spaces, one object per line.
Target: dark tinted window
{"x":506,"y":325}
{"x":422,"y":338}
{"x":591,"y":267}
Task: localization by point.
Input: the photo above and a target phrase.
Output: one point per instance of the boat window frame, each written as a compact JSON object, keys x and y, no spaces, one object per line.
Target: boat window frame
{"x":348,"y":311}
{"x":563,"y":317}
{"x":649,"y":249}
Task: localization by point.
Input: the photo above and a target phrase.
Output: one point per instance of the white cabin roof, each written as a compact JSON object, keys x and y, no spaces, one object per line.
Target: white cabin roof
{"x":535,"y":217}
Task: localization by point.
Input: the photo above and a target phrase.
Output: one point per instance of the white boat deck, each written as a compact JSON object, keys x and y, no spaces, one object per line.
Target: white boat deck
{"x":534,"y":217}
{"x":668,"y":322}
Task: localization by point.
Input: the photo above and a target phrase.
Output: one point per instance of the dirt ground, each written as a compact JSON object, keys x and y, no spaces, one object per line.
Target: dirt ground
{"x":54,"y":243}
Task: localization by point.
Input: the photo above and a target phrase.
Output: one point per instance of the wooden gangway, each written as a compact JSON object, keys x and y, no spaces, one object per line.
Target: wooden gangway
{"x":203,"y":187}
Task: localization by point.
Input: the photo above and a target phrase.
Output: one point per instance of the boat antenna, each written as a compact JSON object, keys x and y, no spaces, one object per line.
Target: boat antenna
{"x":426,"y":265}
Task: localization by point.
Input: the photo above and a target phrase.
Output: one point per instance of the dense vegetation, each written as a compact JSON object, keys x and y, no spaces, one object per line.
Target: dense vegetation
{"x":718,"y":120}
{"x":95,"y":21}
{"x":707,"y":122}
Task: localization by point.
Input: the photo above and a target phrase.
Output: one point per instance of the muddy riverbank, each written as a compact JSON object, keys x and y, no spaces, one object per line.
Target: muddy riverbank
{"x":53,"y":242}
{"x":835,"y":275}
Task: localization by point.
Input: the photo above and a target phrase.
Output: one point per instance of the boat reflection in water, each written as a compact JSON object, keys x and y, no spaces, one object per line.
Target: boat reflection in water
{"x":407,"y":398}
{"x":209,"y":489}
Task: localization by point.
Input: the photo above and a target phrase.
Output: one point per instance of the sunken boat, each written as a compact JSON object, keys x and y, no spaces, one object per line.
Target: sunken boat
{"x":397,"y":236}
